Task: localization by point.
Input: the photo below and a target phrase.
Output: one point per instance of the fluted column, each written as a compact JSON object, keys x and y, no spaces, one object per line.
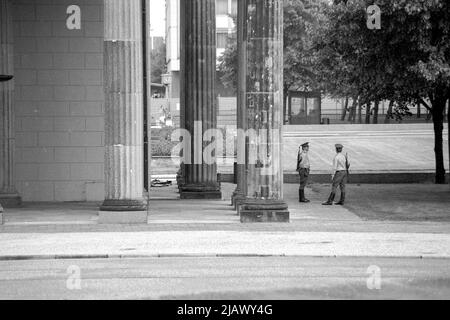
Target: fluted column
{"x":124,"y":94}
{"x":263,"y":38}
{"x":8,"y":194}
{"x":198,"y":97}
{"x":239,"y":194}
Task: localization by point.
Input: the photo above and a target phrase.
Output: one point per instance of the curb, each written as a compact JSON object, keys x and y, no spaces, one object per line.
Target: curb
{"x":119,"y":256}
{"x":162,"y":256}
{"x":386,"y":177}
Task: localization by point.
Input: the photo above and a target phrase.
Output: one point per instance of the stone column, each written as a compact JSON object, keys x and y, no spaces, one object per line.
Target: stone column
{"x":239,"y":193}
{"x":263,"y":40}
{"x":198,"y":97}
{"x":124,"y":95}
{"x":8,"y":194}
{"x":147,"y":96}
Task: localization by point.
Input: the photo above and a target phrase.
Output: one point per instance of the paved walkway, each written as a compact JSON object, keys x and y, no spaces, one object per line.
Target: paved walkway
{"x":212,"y":228}
{"x":197,"y":215}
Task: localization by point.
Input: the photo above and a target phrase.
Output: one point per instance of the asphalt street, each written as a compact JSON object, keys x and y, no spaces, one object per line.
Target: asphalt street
{"x":226,"y":278}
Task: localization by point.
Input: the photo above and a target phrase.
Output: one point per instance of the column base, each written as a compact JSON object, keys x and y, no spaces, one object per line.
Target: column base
{"x":123,"y":212}
{"x":252,"y":211}
{"x":124,"y":205}
{"x":192,"y":192}
{"x":200,"y":195}
{"x":237,"y":199}
{"x":10,"y":200}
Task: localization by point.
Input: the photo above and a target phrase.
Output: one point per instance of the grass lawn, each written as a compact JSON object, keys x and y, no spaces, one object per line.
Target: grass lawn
{"x":422,"y":202}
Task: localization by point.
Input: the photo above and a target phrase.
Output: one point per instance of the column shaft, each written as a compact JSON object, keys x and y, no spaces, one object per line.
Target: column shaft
{"x":239,"y":193}
{"x":8,"y":194}
{"x":263,"y":39}
{"x":124,"y":95}
{"x":198,"y":97}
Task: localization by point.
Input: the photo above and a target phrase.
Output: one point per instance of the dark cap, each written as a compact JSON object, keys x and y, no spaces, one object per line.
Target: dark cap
{"x":4,"y":78}
{"x":306,"y":144}
{"x":339,"y":146}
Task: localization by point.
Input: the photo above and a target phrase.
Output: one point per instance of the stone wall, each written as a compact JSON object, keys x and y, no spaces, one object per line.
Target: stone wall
{"x":59,"y":101}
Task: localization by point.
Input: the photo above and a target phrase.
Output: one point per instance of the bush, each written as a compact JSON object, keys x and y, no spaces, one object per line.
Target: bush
{"x":162,"y":148}
{"x":161,"y":142}
{"x":162,"y":145}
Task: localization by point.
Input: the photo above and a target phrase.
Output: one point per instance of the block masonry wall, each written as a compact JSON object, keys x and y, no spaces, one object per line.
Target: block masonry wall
{"x":59,"y":101}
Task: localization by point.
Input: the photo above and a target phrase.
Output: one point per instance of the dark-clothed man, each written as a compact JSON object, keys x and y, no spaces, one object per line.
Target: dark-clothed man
{"x":303,"y":168}
{"x":339,"y":176}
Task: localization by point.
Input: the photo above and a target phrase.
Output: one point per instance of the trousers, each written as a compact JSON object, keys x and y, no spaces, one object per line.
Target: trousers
{"x":304,"y":177}
{"x":340,"y":180}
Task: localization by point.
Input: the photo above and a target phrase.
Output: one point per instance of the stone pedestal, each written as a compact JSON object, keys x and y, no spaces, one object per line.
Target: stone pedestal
{"x":264,"y":211}
{"x":198,"y":97}
{"x":124,"y":96}
{"x":9,"y":197}
{"x":262,"y":28}
{"x":237,"y":199}
{"x":10,"y":200}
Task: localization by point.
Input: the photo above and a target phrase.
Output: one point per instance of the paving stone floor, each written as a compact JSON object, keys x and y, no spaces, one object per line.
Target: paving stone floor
{"x":178,"y":215}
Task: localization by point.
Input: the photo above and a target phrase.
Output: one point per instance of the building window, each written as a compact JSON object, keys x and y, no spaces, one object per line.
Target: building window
{"x":222,"y":40}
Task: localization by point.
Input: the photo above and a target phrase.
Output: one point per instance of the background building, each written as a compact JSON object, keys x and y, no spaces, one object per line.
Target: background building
{"x":225,"y":11}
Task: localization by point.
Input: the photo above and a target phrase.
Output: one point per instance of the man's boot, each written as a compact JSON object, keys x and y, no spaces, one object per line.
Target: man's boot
{"x":330,"y":200}
{"x":342,"y":201}
{"x":302,"y":197}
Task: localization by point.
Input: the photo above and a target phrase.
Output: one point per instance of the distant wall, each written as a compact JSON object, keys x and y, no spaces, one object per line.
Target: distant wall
{"x":59,"y":101}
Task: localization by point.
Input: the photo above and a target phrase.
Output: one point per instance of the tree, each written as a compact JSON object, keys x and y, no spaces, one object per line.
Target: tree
{"x":376,"y":110}
{"x":301,"y":20}
{"x":389,"y":112}
{"x":344,"y":109}
{"x":158,"y":62}
{"x":227,"y":69}
{"x":405,"y":61}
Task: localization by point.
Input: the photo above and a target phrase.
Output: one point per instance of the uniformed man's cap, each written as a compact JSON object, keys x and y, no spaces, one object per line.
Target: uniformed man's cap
{"x":306,"y":144}
{"x":4,"y":78}
{"x":339,"y":146}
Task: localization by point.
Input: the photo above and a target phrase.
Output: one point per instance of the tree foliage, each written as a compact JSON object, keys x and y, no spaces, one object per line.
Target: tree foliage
{"x":406,"y":61}
{"x":228,"y":62}
{"x":301,"y":19}
{"x":158,"y":62}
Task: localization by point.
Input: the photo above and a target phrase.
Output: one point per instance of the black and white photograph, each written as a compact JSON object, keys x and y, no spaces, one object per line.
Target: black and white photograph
{"x":224,"y":154}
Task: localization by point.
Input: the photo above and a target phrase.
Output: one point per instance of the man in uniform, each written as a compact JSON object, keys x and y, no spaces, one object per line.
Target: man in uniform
{"x":339,"y":176}
{"x":303,"y":168}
